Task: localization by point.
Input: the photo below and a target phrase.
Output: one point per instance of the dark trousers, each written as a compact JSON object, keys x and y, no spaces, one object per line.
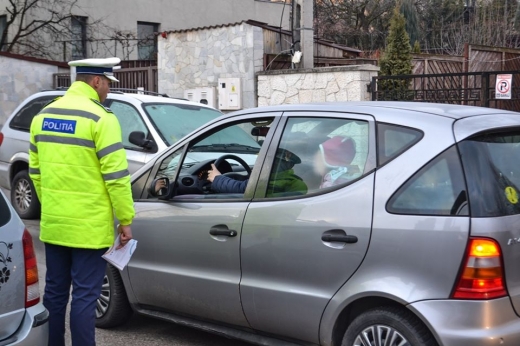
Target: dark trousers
{"x":84,"y":269}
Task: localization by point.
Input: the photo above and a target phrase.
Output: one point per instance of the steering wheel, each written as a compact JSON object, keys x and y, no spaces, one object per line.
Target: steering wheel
{"x":233,"y":157}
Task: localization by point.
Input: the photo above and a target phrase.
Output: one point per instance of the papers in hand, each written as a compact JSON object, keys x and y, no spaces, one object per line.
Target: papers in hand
{"x":119,"y":257}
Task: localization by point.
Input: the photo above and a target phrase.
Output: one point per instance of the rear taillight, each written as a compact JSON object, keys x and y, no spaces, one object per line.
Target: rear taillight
{"x":1,"y":138}
{"x":482,"y":274}
{"x":32,"y":289}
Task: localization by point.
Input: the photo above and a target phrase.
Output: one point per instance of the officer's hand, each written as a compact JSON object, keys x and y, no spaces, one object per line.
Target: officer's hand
{"x":125,"y":234}
{"x":213,"y":173}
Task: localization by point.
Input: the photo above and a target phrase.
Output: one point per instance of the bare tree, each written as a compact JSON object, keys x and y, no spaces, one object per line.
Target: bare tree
{"x":357,"y":23}
{"x":29,"y":20}
{"x":440,"y":26}
{"x":43,"y":28}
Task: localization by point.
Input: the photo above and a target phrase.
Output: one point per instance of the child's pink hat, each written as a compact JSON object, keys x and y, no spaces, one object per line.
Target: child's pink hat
{"x":338,"y":151}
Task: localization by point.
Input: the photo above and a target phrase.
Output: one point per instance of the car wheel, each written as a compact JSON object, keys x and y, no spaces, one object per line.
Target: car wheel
{"x":112,"y":308}
{"x":23,"y":196}
{"x":389,"y":327}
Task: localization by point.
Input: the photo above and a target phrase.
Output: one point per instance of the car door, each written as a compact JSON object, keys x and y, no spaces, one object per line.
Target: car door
{"x":130,"y":120}
{"x":188,"y":255}
{"x":299,"y":246}
{"x":12,"y":273}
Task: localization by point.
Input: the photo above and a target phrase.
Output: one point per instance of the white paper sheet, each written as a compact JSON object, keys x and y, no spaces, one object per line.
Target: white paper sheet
{"x":120,"y":258}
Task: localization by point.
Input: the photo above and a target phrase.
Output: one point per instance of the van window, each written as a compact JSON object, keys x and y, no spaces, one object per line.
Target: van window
{"x":22,"y":120}
{"x":174,"y":121}
{"x":130,"y":121}
{"x":492,"y":171}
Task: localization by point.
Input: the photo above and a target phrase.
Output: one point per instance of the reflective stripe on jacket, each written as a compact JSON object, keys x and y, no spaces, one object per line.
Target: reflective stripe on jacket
{"x":79,"y":169}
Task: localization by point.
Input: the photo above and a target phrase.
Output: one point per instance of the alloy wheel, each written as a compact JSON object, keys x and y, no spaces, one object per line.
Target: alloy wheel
{"x":104,"y":298}
{"x":380,"y":335}
{"x":23,"y":195}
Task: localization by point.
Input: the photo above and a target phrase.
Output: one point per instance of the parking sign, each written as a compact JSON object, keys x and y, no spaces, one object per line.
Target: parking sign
{"x":503,"y":86}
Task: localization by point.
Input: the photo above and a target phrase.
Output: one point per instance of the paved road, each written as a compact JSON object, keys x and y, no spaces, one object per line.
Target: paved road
{"x":140,"y":330}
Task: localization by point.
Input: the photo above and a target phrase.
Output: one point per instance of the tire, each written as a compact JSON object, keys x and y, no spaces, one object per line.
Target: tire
{"x":370,"y":326}
{"x":23,"y":196}
{"x":112,"y":308}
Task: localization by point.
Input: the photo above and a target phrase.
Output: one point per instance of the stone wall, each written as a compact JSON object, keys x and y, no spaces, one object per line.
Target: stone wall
{"x":20,"y":78}
{"x":198,"y":58}
{"x":346,"y":83}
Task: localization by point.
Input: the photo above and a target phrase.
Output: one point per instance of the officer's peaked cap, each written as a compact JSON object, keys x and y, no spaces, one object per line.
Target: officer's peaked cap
{"x":103,"y":67}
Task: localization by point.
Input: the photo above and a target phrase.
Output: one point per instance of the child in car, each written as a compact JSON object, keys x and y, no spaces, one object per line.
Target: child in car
{"x":333,"y":161}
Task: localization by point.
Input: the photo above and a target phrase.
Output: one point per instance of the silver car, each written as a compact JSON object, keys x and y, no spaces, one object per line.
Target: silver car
{"x":23,"y":318}
{"x":377,"y":223}
{"x":149,"y":124}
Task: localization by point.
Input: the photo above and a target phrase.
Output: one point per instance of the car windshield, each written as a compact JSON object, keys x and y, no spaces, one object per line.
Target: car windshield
{"x":230,"y":140}
{"x":174,"y":121}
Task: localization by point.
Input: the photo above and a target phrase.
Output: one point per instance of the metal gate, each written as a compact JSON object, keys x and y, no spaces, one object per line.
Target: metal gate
{"x":129,"y":78}
{"x":470,"y":88}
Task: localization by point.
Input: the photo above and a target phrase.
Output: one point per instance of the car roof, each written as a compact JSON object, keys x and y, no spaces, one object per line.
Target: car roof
{"x":375,"y":108}
{"x":139,"y":97}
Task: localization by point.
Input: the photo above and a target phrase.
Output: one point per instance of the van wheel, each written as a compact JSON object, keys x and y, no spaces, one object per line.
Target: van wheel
{"x":389,"y":326}
{"x":23,"y":196}
{"x":112,"y":308}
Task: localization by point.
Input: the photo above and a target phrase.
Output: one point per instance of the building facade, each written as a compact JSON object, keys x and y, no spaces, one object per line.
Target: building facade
{"x":125,"y":28}
{"x":232,"y":65}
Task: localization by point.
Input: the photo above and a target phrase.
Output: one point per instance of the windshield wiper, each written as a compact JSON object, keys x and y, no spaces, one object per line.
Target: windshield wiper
{"x":234,"y":147}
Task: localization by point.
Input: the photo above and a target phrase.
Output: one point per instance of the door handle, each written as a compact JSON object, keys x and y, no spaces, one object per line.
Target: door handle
{"x":349,"y":239}
{"x":226,"y":232}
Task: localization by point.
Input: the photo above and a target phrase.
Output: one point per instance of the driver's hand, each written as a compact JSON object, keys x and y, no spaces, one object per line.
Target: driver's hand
{"x":161,"y":183}
{"x":213,"y":172}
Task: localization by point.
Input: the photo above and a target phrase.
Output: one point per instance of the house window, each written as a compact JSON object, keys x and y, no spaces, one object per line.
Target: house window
{"x":3,"y":31}
{"x":147,"y":40}
{"x":79,"y":37}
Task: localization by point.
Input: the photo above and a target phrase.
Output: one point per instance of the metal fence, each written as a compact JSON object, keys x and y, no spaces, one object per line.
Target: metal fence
{"x":472,"y":88}
{"x":129,"y":78}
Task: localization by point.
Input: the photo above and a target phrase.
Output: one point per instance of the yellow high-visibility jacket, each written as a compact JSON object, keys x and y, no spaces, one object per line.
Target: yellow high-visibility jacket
{"x":79,"y":169}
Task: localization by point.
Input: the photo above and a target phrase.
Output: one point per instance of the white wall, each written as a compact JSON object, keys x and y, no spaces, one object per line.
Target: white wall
{"x":20,"y":79}
{"x":326,"y":84}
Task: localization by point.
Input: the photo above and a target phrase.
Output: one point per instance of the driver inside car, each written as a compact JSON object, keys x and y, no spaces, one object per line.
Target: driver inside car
{"x":282,"y":180}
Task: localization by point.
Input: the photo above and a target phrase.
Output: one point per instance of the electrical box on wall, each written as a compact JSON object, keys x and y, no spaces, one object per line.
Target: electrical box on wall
{"x":229,"y":94}
{"x":205,"y":95}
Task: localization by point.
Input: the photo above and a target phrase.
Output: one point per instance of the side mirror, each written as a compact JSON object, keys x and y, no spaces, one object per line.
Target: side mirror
{"x":160,"y":188}
{"x":138,"y":138}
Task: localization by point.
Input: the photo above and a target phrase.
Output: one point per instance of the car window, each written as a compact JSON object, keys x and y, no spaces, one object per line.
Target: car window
{"x":492,"y":171}
{"x":22,"y":120}
{"x":130,"y":121}
{"x":235,"y":145}
{"x":436,"y":189}
{"x":318,"y":153}
{"x":393,"y":140}
{"x":5,"y":213}
{"x":174,"y":121}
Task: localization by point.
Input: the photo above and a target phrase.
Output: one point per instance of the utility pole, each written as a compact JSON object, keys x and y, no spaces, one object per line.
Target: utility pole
{"x":305,"y":14}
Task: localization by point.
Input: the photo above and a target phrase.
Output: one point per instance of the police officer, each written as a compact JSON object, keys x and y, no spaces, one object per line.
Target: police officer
{"x":80,"y":173}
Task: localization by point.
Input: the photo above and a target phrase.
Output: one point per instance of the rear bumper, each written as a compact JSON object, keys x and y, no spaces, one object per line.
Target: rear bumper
{"x":471,"y":323}
{"x":4,"y":175}
{"x":34,"y":330}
